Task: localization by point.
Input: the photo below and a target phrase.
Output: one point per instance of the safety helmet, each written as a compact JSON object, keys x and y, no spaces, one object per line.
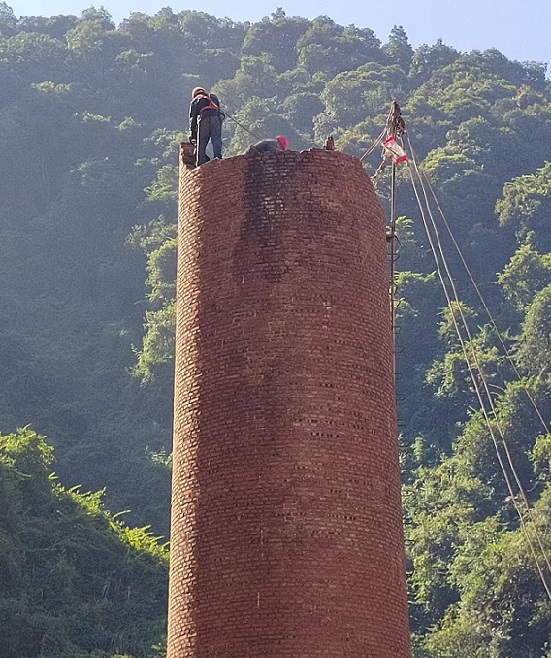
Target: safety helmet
{"x":197,"y":91}
{"x":282,"y":141}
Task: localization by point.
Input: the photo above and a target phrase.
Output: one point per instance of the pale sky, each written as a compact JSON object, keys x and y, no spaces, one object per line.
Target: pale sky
{"x":519,"y":28}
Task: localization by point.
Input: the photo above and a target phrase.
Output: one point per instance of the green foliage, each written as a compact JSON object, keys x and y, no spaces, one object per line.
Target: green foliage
{"x":158,"y":343}
{"x":159,"y":241}
{"x":494,"y":569}
{"x":277,"y":37}
{"x":301,"y":108}
{"x":535,"y":347}
{"x":328,"y":48}
{"x":398,"y":48}
{"x":258,"y":117}
{"x":165,"y":186}
{"x":351,"y":96}
{"x":526,"y":205}
{"x":426,"y":60}
{"x":525,"y":275}
{"x":8,"y":20}
{"x":75,"y":581}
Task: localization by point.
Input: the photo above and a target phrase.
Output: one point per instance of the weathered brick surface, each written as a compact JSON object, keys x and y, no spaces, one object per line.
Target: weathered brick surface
{"x":286,"y":515}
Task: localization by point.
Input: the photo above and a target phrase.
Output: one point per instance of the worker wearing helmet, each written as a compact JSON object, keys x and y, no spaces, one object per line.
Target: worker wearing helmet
{"x":278,"y":144}
{"x":205,"y":124}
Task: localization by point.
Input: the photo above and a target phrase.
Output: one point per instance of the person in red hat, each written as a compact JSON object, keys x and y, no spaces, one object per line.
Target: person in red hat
{"x":280,"y":143}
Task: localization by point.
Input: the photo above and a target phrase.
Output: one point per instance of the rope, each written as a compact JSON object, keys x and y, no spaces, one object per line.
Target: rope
{"x":483,"y":379}
{"x":475,"y":382}
{"x":376,"y":143}
{"x":394,"y":119}
{"x":242,"y":126}
{"x":481,"y":298}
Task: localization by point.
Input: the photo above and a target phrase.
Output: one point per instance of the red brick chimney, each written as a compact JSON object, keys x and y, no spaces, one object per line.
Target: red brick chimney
{"x":286,"y":515}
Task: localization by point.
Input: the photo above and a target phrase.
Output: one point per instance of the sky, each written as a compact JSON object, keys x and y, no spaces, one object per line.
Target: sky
{"x":518,"y":28}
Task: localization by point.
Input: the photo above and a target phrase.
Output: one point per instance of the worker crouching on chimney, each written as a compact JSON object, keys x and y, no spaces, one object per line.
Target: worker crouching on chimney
{"x":278,"y":144}
{"x":205,"y":124}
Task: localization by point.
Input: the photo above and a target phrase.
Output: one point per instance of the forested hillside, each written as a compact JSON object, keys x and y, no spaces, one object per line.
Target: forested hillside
{"x":74,"y":580}
{"x":90,"y":116}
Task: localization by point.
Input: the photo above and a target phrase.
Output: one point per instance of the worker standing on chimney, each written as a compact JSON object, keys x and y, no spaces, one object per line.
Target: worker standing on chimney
{"x":205,"y":124}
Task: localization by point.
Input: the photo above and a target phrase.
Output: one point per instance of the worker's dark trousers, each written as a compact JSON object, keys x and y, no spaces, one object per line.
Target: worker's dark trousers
{"x":209,"y":127}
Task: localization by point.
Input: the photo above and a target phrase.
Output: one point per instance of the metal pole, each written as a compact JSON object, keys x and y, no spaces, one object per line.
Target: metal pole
{"x":392,"y":261}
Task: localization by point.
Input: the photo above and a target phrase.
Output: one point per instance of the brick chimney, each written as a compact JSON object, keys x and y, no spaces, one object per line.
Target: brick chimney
{"x":286,"y":514}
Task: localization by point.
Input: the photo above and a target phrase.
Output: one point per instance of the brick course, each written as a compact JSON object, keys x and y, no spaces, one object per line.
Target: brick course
{"x":286,"y":514}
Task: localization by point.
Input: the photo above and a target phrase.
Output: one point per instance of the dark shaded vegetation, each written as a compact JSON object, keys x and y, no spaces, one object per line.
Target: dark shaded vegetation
{"x":74,"y":580}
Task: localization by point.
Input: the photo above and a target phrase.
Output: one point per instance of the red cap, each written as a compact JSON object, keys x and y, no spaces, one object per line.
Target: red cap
{"x":282,"y":141}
